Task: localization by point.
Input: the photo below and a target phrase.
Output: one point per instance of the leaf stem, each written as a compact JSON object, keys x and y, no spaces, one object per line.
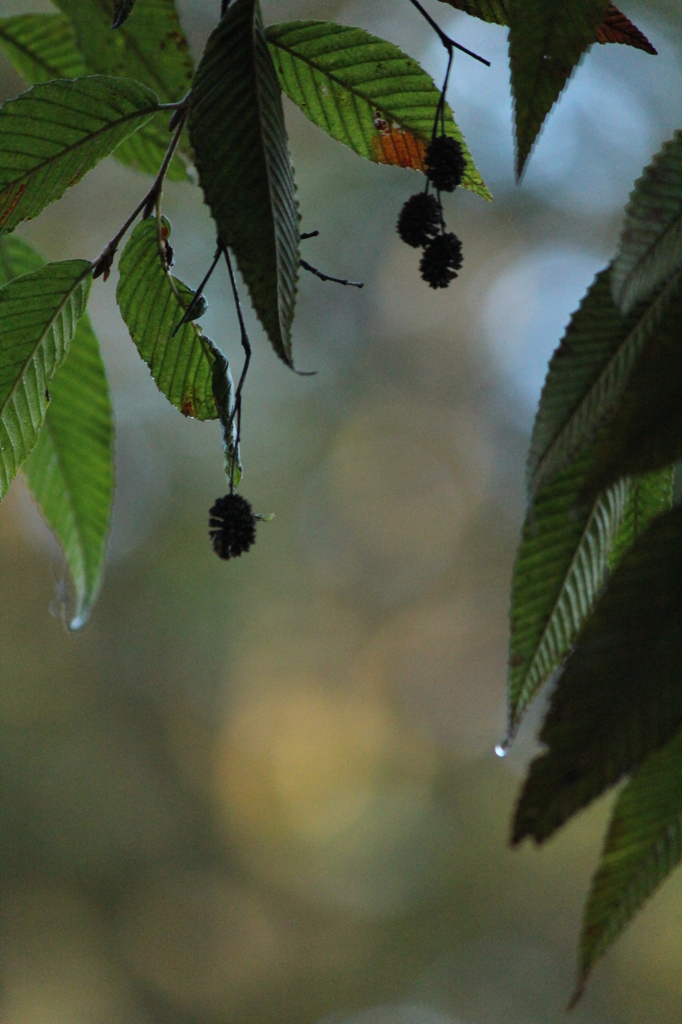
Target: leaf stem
{"x":327,"y":277}
{"x":447,"y":42}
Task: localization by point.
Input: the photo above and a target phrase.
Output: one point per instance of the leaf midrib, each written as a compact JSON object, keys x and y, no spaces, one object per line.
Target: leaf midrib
{"x":353,"y":90}
{"x":111,"y":125}
{"x":48,"y":327}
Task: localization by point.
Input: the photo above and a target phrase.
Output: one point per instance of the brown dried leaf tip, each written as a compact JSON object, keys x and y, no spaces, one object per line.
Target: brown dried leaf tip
{"x":231,"y":526}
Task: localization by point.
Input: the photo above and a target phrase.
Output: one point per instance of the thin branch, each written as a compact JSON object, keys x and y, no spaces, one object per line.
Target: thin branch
{"x":447,"y":42}
{"x":187,"y":315}
{"x":308,"y":234}
{"x":102,"y":265}
{"x":328,"y":277}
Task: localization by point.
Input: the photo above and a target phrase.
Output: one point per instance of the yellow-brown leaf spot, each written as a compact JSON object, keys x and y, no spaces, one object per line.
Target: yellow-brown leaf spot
{"x":400,"y":148}
{"x":187,"y":406}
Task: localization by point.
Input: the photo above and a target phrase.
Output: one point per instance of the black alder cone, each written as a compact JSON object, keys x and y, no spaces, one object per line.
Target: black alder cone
{"x":441,"y":260}
{"x":418,"y":220}
{"x":445,"y":163}
{"x":231,"y":526}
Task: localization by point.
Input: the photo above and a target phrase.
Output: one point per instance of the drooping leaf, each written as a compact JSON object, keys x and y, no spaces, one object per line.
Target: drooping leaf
{"x":363,"y":91}
{"x":650,"y":250}
{"x":236,"y":127}
{"x":619,"y":698}
{"x":56,"y":132}
{"x":150,"y":48}
{"x":615,"y":28}
{"x":643,"y":845}
{"x":187,"y":367}
{"x":152,"y":303}
{"x":597,"y":361}
{"x":70,"y":471}
{"x":41,"y":47}
{"x":38,"y":316}
{"x":560,"y":569}
{"x":546,"y":41}
{"x":122,"y":11}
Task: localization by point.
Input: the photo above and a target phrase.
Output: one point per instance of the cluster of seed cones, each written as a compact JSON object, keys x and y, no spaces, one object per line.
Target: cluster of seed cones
{"x":421,"y":222}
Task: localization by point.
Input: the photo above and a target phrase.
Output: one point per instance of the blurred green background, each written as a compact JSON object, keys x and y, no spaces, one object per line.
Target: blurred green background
{"x":267,"y":791}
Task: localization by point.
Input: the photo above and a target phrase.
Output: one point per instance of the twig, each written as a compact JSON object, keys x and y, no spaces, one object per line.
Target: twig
{"x":187,"y":315}
{"x":102,"y":265}
{"x":308,"y":234}
{"x":328,"y":277}
{"x":447,"y":42}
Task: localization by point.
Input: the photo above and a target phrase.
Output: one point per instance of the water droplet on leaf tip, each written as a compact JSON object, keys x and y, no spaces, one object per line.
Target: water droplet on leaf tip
{"x":502,"y":749}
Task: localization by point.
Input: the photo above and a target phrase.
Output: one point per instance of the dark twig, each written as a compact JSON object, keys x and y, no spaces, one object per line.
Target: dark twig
{"x":308,"y":234}
{"x":327,"y":277}
{"x":102,"y":265}
{"x":447,"y":42}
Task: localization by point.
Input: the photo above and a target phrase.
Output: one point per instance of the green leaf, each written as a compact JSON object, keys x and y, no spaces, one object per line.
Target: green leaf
{"x":56,"y":132}
{"x":619,"y":698}
{"x":150,"y":48}
{"x":70,"y":471}
{"x":38,"y":316}
{"x":41,"y":47}
{"x":560,"y":569}
{"x":364,"y":92}
{"x":152,"y":303}
{"x":122,"y":11}
{"x":589,"y":375}
{"x":651,"y":241}
{"x":187,"y":367}
{"x":643,"y":845}
{"x":546,"y":40}
{"x":236,"y":127}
